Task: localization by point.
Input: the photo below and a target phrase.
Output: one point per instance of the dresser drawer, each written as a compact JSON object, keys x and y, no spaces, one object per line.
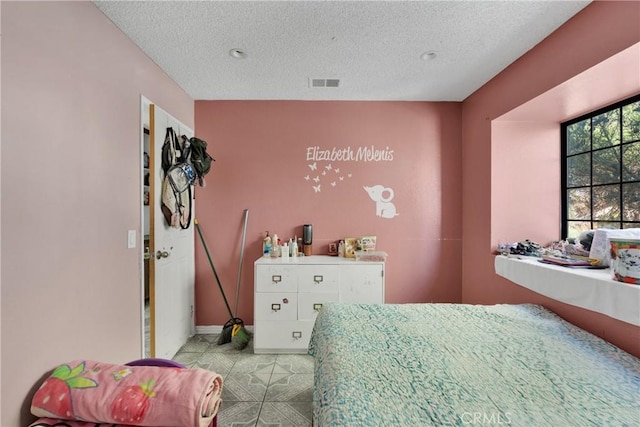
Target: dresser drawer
{"x":276,"y":278}
{"x":318,"y":278}
{"x":276,"y":306}
{"x":310,"y":303}
{"x":362,"y":284}
{"x":282,"y":337}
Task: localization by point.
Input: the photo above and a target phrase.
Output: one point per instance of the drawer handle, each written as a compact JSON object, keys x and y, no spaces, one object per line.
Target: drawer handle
{"x":296,"y":335}
{"x":318,"y":278}
{"x":276,"y":278}
{"x":285,"y":300}
{"x":275,"y":307}
{"x":317,"y":307}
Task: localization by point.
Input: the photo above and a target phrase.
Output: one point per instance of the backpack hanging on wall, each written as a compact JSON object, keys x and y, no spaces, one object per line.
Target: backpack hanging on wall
{"x":176,"y":184}
{"x":199,"y":158}
{"x":171,"y":150}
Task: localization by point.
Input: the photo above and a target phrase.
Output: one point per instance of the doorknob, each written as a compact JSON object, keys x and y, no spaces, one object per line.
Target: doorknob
{"x":162,"y":254}
{"x":147,"y":254}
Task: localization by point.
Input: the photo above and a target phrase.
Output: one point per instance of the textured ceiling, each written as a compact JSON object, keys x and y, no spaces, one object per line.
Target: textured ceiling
{"x":374,"y":48}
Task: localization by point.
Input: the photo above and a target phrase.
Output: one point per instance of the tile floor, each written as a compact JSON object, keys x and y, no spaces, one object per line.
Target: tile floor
{"x":259,"y":389}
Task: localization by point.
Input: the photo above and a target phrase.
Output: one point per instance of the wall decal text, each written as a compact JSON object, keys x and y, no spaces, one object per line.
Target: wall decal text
{"x":362,"y":154}
{"x":322,"y":167}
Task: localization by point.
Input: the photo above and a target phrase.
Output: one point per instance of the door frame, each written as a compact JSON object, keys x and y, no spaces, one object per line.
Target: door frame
{"x":145,"y":120}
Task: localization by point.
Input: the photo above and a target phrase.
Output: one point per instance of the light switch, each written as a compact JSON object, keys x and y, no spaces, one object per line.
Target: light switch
{"x":131,"y":239}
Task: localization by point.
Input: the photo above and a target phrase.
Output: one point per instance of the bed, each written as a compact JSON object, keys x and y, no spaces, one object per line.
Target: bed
{"x":457,"y":364}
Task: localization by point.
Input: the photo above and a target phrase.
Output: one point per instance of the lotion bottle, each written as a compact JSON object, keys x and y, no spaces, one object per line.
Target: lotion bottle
{"x":291,"y":247}
{"x":266,"y":245}
{"x":275,"y":246}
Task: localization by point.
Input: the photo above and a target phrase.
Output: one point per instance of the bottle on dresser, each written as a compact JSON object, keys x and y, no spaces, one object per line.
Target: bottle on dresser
{"x":266,"y":245}
{"x":291,"y":249}
{"x":275,"y":246}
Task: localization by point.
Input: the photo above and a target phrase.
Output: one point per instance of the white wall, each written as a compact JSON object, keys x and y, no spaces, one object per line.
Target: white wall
{"x":70,"y":176}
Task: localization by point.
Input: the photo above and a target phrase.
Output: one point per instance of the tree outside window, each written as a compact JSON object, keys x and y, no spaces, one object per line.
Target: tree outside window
{"x":601,"y":169}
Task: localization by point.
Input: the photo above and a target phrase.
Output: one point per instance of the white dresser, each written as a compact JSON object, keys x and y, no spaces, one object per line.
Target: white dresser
{"x":290,"y":291}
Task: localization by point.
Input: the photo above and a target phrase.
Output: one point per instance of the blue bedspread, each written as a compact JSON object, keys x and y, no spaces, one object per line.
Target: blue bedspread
{"x":455,"y":365}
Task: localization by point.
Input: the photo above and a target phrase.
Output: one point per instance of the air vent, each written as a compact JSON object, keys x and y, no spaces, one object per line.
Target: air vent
{"x":324,"y":82}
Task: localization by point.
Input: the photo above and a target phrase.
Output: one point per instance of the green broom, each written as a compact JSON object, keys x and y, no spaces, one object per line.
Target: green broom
{"x":227,"y":329}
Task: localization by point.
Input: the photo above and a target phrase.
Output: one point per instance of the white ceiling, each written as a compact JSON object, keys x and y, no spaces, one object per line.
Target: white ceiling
{"x":373,"y":47}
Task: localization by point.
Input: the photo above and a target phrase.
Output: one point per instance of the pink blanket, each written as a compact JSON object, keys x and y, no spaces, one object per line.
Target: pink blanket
{"x":128,"y":395}
{"x":53,"y":422}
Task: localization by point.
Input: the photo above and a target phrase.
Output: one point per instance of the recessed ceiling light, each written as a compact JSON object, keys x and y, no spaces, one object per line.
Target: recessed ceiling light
{"x":428,"y":56}
{"x":238,"y":53}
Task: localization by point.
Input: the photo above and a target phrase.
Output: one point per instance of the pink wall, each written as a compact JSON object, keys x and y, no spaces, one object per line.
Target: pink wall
{"x":71,"y":86}
{"x":562,"y":77}
{"x":525,"y":172}
{"x":261,"y":164}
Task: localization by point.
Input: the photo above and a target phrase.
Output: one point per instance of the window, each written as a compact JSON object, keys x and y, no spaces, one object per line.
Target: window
{"x":601,"y":169}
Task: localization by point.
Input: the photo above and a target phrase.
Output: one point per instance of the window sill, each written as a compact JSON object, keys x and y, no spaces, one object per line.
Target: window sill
{"x":590,"y":289}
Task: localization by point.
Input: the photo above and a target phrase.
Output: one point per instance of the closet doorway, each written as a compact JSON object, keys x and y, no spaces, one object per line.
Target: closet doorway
{"x":168,"y":266}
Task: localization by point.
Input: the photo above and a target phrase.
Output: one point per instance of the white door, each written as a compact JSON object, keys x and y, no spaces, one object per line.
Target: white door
{"x":172,"y":267}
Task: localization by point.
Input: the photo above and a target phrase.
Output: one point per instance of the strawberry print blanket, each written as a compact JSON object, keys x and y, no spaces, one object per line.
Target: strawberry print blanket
{"x":99,"y":392}
{"x":53,"y":422}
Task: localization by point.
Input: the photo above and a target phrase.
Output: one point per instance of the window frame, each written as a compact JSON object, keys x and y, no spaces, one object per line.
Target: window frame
{"x":564,"y":167}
